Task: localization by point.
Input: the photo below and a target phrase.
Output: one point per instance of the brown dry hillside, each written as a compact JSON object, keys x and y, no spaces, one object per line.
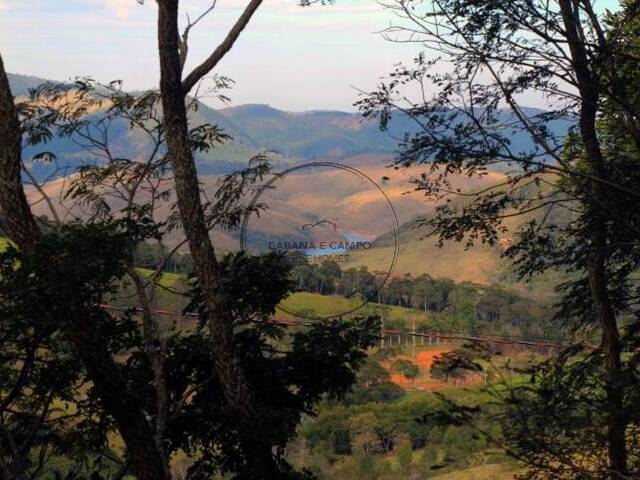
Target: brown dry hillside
{"x":479,"y":264}
{"x":363,"y":208}
{"x":361,"y":205}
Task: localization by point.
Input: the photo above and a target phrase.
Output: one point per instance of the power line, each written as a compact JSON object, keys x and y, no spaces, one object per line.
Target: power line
{"x":495,"y":339}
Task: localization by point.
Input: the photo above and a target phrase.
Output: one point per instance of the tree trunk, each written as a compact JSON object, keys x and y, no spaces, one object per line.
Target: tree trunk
{"x":20,"y":222}
{"x":146,"y":462}
{"x":237,"y":391}
{"x":596,"y":267}
{"x":156,"y":350}
{"x":612,"y":348}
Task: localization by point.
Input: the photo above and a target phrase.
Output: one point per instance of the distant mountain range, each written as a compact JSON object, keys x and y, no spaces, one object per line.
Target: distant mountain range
{"x":254,"y":127}
{"x":293,"y":136}
{"x":332,"y":135}
{"x":21,"y":84}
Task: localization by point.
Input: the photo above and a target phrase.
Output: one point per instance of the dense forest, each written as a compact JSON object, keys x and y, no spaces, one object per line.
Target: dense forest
{"x":447,"y":305}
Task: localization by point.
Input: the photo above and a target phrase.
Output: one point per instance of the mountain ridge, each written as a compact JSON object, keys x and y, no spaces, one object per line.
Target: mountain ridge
{"x":291,"y":137}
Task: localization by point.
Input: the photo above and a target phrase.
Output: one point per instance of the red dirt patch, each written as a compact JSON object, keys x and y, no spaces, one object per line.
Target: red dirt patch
{"x":423,"y":360}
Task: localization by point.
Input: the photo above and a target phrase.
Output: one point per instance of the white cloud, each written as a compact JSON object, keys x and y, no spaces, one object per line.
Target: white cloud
{"x":121,"y":8}
{"x":3,"y":6}
{"x":316,"y":52}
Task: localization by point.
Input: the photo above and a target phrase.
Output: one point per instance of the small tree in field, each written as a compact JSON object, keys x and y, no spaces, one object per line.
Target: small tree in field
{"x":406,"y":368}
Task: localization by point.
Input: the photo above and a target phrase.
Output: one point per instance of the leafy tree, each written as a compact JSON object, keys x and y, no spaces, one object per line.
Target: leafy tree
{"x":374,"y":385}
{"x":358,"y":282}
{"x":362,"y":428}
{"x":304,"y":277}
{"x":372,"y":373}
{"x":160,"y":393}
{"x":406,"y":368}
{"x":327,"y":274}
{"x":329,"y":431}
{"x":575,"y":195}
{"x":174,"y":87}
{"x":365,"y":467}
{"x":50,"y":295}
{"x":456,"y":364}
{"x":97,"y":359}
{"x":560,"y":423}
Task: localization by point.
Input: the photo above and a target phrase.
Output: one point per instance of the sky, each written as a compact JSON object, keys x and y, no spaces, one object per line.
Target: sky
{"x":290,"y":57}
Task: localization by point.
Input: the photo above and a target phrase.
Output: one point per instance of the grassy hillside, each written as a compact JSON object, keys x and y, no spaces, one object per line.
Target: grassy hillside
{"x":310,"y":304}
{"x":353,"y":203}
{"x":419,"y":254}
{"x":482,"y":472}
{"x":479,"y":264}
{"x":166,"y":280}
{"x":326,"y":305}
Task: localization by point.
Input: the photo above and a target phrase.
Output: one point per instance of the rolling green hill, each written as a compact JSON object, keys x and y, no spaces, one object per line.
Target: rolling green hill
{"x":326,"y":305}
{"x":312,"y":134}
{"x":482,"y":472}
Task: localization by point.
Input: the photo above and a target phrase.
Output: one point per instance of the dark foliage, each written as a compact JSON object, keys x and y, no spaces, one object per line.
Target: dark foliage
{"x":73,"y":269}
{"x":49,"y":408}
{"x":575,"y":197}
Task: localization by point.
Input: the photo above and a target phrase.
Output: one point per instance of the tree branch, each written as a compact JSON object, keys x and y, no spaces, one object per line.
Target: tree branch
{"x":183,"y":45}
{"x":218,"y":54}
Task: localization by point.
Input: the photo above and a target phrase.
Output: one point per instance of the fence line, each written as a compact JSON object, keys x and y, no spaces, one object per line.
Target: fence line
{"x":432,"y":336}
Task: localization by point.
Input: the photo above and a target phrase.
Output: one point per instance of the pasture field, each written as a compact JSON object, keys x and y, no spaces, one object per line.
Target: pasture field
{"x":482,"y":472}
{"x":479,"y":264}
{"x":325,"y":305}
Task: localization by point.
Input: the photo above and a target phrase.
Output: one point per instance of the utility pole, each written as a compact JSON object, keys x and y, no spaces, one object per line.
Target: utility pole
{"x":413,"y":331}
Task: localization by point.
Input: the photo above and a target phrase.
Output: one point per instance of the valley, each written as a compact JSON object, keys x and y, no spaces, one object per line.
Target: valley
{"x":319,"y":240}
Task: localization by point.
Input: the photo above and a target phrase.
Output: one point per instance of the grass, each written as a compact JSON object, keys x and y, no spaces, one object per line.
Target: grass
{"x":396,"y":312}
{"x":326,"y":305}
{"x":166,"y":279}
{"x":479,"y":264}
{"x":311,"y":304}
{"x":482,"y":472}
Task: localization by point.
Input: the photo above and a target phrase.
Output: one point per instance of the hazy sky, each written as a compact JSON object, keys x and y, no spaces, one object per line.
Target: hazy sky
{"x":289,"y":57}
